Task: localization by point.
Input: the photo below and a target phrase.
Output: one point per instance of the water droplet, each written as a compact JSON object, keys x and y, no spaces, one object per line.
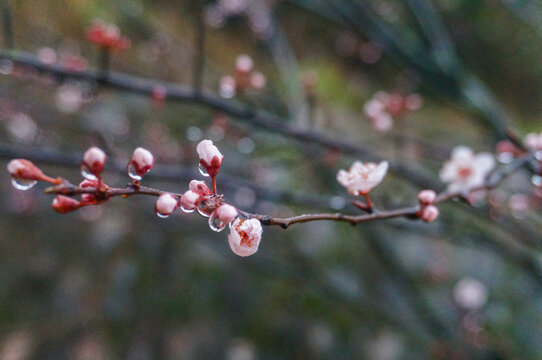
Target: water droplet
{"x":536,"y":180}
{"x":538,"y":155}
{"x":202,"y":210}
{"x":202,"y":170}
{"x":86,"y":173}
{"x":215,"y":224}
{"x":188,"y":211}
{"x":23,"y":184}
{"x":132,"y":173}
{"x":160,"y":215}
{"x":505,"y":157}
{"x":6,"y":67}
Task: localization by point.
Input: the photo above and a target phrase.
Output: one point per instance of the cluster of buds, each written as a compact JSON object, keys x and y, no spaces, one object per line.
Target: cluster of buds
{"x":69,"y":61}
{"x":107,"y":36}
{"x":382,"y":108}
{"x":428,"y":211}
{"x":244,"y":79}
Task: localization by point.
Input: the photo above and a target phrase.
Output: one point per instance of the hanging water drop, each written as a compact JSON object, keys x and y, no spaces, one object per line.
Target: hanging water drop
{"x":188,"y":211}
{"x":202,"y":170}
{"x":86,"y":173}
{"x":505,"y":157}
{"x":160,"y":215}
{"x":202,"y":210}
{"x":215,"y":224}
{"x":23,"y":184}
{"x":536,"y":180}
{"x":132,"y":173}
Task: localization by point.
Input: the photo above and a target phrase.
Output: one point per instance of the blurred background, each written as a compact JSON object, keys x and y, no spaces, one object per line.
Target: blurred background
{"x":117,"y":282}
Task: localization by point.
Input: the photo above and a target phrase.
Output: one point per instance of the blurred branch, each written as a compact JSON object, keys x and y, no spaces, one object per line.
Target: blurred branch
{"x":199,"y":58}
{"x":7,"y":24}
{"x":258,"y":119}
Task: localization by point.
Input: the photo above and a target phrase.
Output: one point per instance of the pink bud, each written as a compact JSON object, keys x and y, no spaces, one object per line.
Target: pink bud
{"x":199,"y":187}
{"x":429,"y":213}
{"x":190,"y":200}
{"x":244,"y":64}
{"x":166,"y":204}
{"x":210,"y":157}
{"x":142,"y":162}
{"x":257,"y":80}
{"x":25,"y":169}
{"x":427,"y":197}
{"x":226,"y":213}
{"x":94,"y":160}
{"x":87,"y":183}
{"x":63,"y":204}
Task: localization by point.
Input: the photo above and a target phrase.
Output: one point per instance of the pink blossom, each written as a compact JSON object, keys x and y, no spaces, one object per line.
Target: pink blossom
{"x":210,"y":157}
{"x":199,"y":187}
{"x":257,"y":80}
{"x":362,"y":177}
{"x":107,"y":36}
{"x":166,"y":204}
{"x":533,"y":141}
{"x":226,"y":213}
{"x":244,"y":237}
{"x":244,"y":64}
{"x":427,"y":197}
{"x":142,"y":161}
{"x":94,"y":160}
{"x":190,"y":200}
{"x":63,"y":204}
{"x":429,"y":213}
{"x":466,"y":170}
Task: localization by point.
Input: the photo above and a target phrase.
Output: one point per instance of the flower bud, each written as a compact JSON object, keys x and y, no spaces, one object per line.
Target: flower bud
{"x":166,"y":204}
{"x":244,"y":237}
{"x":427,"y":197}
{"x":226,"y":213}
{"x":199,"y":187}
{"x":94,"y":161}
{"x":257,"y":80}
{"x":64,"y":204}
{"x":87,"y":183}
{"x":429,"y":213}
{"x":210,"y":157}
{"x":190,"y":200}
{"x":24,"y":169}
{"x":141,"y":163}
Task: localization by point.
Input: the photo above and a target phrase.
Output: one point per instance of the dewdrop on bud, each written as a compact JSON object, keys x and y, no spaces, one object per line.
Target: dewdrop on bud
{"x":165,"y":205}
{"x":93,"y":163}
{"x":189,"y":201}
{"x":429,"y":213}
{"x":141,"y":163}
{"x":210,"y":158}
{"x":244,"y":64}
{"x":245,"y":236}
{"x":199,"y":187}
{"x":427,"y":197}
{"x":221,"y":217}
{"x":63,"y":204}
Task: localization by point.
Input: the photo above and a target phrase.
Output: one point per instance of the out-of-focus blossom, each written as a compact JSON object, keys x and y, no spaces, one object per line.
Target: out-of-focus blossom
{"x":244,"y":237}
{"x":470,"y":293}
{"x":429,"y":213}
{"x":382,"y":108}
{"x":362,"y":177}
{"x":427,"y":197}
{"x":21,"y":127}
{"x":533,"y":141}
{"x":466,"y":170}
{"x":107,"y":36}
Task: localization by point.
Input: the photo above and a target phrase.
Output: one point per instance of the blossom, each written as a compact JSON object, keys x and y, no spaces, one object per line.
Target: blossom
{"x":190,"y":200}
{"x":362,"y":177}
{"x":107,"y":36}
{"x":166,"y":204}
{"x":244,"y":237}
{"x":533,"y":141}
{"x":142,"y":162}
{"x":466,"y":170}
{"x":429,"y":213}
{"x":94,"y":160}
{"x":63,"y":204}
{"x":244,"y":64}
{"x":226,"y":213}
{"x":470,"y":293}
{"x":210,"y":157}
